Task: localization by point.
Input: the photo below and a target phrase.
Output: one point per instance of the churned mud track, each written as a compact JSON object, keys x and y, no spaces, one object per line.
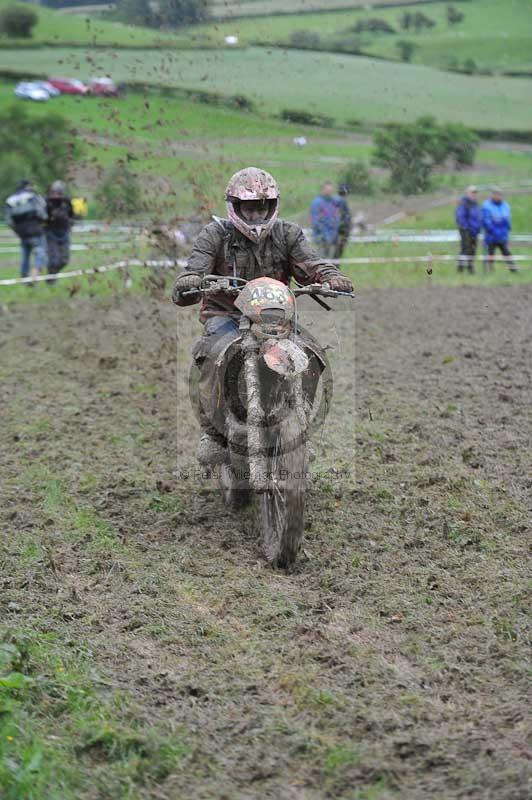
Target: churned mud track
{"x":393,"y":662}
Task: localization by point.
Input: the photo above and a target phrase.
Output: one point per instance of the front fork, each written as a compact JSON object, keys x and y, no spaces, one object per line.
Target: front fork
{"x":256,"y":417}
{"x":258,"y":441}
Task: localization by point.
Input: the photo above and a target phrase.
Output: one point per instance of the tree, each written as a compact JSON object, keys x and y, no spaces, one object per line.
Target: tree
{"x":17,"y":22}
{"x":420,"y":21}
{"x":461,"y":144}
{"x":412,"y":150}
{"x":306,"y":40}
{"x":119,"y":193}
{"x":173,"y":13}
{"x":373,"y":25}
{"x":454,"y":16}
{"x":162,"y":14}
{"x":470,"y":66}
{"x":406,"y":21}
{"x":135,"y":12}
{"x":357,"y":177}
{"x":43,"y":152}
{"x":406,"y":49}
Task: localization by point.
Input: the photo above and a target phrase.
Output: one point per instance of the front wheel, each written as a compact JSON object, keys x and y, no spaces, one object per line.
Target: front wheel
{"x":282,"y":507}
{"x":235,"y":488}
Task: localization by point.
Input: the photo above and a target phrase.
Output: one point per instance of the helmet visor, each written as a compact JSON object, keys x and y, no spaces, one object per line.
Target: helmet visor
{"x":254,"y":212}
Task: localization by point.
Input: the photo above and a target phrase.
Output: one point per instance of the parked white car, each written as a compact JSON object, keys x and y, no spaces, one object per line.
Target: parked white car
{"x":31,"y":91}
{"x":47,"y":86}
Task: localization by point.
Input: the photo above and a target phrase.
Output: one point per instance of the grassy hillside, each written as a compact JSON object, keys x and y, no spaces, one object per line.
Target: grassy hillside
{"x":344,"y":87}
{"x":55,"y":28}
{"x":497,"y":36}
{"x":237,"y":8}
{"x":185,"y":152}
{"x":443,"y":216}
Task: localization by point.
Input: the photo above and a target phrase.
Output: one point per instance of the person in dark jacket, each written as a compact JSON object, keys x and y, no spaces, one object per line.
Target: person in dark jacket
{"x":25,"y":213}
{"x":344,"y":227}
{"x":469,"y":221}
{"x":325,"y":220}
{"x":252,"y":243}
{"x":60,"y":218}
{"x":497,"y":224}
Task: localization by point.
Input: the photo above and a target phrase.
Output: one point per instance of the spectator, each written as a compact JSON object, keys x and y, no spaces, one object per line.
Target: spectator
{"x":469,"y":220}
{"x":325,"y":219}
{"x":25,"y":213}
{"x":344,"y":226}
{"x":60,"y":216}
{"x":497,"y":224}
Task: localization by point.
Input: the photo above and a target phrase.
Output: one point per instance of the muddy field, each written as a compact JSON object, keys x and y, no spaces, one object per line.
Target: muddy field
{"x":392,"y":664}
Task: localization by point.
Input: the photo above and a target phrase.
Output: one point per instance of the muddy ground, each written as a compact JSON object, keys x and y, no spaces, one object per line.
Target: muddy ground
{"x":393,"y":662}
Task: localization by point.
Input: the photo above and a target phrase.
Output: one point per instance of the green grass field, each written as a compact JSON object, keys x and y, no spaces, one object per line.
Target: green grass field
{"x":54,"y":28}
{"x":237,"y":8}
{"x":184,"y":152}
{"x":404,"y":274}
{"x":344,"y":87}
{"x":443,"y":216}
{"x":497,"y":36}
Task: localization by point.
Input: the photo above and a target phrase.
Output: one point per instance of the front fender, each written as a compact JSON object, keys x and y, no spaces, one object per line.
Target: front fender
{"x":285,"y":357}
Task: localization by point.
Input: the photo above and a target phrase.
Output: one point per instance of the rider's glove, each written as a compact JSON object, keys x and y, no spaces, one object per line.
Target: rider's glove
{"x":337,"y":282}
{"x":187,"y":282}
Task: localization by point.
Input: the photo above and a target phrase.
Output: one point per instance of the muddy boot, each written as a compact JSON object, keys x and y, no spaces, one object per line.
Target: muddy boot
{"x":212,"y":450}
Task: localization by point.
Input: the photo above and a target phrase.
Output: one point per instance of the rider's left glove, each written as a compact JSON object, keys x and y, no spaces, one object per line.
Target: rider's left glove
{"x":190,"y":283}
{"x":337,"y":282}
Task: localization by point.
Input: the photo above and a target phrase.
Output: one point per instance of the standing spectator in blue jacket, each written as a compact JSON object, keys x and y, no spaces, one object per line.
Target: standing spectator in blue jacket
{"x":325,"y":220}
{"x":469,"y":220}
{"x":497,"y":224}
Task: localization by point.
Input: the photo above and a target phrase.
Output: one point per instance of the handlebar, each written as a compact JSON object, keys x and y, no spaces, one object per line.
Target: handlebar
{"x":212,"y":284}
{"x":320,"y":289}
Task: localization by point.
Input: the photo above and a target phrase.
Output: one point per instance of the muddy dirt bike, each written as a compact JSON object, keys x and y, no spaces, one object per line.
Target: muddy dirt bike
{"x":266,"y":381}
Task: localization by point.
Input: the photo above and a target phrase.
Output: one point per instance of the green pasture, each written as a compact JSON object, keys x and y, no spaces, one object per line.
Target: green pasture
{"x":497,"y":36}
{"x":184,"y":152}
{"x":406,"y":274}
{"x":443,"y":216}
{"x":91,"y":285}
{"x":55,"y":28}
{"x":236,"y":8}
{"x":345,"y":87}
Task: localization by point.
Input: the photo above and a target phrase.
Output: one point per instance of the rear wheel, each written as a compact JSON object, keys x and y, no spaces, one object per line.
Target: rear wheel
{"x":282,"y":508}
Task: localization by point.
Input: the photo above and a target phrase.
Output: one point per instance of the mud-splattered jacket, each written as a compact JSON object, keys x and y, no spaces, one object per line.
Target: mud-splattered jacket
{"x":220,"y":249}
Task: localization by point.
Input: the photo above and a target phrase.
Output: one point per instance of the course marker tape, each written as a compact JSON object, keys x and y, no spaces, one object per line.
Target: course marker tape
{"x":79,"y":273}
{"x":181,"y":262}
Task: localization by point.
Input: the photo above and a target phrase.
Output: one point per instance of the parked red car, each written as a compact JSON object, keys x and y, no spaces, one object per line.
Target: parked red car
{"x":69,"y":85}
{"x":103,"y":87}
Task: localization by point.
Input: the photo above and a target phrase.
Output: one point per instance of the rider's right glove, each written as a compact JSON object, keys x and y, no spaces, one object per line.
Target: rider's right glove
{"x":190,"y":283}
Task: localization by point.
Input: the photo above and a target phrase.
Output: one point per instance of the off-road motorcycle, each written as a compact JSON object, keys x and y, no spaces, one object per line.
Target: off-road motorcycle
{"x":272,"y":389}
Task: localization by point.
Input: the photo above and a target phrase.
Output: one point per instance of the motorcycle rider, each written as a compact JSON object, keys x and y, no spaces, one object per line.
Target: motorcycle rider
{"x":252,"y":243}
